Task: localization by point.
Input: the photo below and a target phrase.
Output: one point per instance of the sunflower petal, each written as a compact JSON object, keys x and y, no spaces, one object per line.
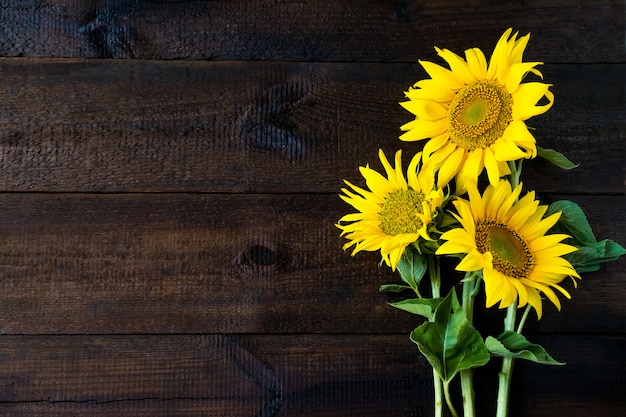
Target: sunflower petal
{"x":477,"y":63}
{"x":425,"y":109}
{"x":442,"y":76}
{"x":458,"y":66}
{"x":527,"y":96}
{"x":422,"y":129}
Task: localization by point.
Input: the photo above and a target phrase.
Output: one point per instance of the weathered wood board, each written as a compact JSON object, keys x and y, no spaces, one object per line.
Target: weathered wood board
{"x":169,"y":185}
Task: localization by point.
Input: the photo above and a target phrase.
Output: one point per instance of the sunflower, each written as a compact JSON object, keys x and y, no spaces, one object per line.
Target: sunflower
{"x":474,"y":113}
{"x":506,"y":239}
{"x":394,"y":213}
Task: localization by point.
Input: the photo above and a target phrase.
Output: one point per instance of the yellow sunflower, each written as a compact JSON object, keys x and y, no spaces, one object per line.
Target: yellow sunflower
{"x":506,"y":239}
{"x":474,"y":113}
{"x":394,"y":213}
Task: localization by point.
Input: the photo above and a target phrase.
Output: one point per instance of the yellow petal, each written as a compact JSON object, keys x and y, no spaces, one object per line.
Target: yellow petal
{"x":376,"y":182}
{"x":546,"y":242}
{"x":505,"y":149}
{"x":493,"y":173}
{"x":527,"y":96}
{"x":423,"y":129}
{"x":534,"y":299}
{"x":466,"y":217}
{"x":476,"y":202}
{"x":495,"y":196}
{"x":517,"y":134}
{"x":458,"y":66}
{"x":476,"y":62}
{"x":499,"y":62}
{"x":427,"y":89}
{"x":517,"y":51}
{"x":450,"y":167}
{"x":522,"y":211}
{"x":473,"y":261}
{"x":435,"y":144}
{"x":540,"y":228}
{"x":517,"y":73}
{"x":507,"y":205}
{"x":442,"y":76}
{"x":473,"y":164}
{"x":554,"y":251}
{"x":425,"y":109}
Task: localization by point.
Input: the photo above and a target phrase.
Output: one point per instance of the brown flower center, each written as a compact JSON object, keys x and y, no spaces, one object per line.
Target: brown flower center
{"x":399,"y":214}
{"x":511,"y":255}
{"x":479,"y":114}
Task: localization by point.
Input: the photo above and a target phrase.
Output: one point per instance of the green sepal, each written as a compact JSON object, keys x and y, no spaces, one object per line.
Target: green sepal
{"x":449,"y":342}
{"x":556,"y":158}
{"x":514,"y":345}
{"x":590,"y":253}
{"x":411,"y":268}
{"x":427,"y":247}
{"x":424,"y":307}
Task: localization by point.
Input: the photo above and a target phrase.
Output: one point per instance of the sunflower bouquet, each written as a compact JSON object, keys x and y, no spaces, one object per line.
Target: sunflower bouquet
{"x":461,"y":198}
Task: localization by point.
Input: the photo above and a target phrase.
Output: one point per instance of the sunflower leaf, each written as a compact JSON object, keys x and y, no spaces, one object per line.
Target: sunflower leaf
{"x":590,"y":253}
{"x":572,"y":222}
{"x":513,"y":345}
{"x":394,"y":288}
{"x":556,"y":158}
{"x":412,"y":267}
{"x":589,"y":258}
{"x":449,"y":342}
{"x":424,"y":307}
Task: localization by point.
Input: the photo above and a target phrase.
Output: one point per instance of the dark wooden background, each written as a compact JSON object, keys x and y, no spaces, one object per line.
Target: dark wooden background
{"x":169,"y":178}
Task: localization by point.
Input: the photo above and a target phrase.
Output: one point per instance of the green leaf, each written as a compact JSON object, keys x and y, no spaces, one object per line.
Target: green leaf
{"x":513,"y":345}
{"x":393,"y":288}
{"x":412,"y":267}
{"x":589,"y":258}
{"x":590,"y":253}
{"x":424,"y":307}
{"x":572,"y":222}
{"x":556,"y":158}
{"x":450,"y":343}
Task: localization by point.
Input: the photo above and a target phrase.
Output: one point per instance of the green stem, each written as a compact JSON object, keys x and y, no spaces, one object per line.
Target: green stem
{"x":516,"y":172}
{"x":446,"y":391}
{"x":438,"y":394}
{"x":506,"y":373}
{"x":523,"y":320}
{"x":504,"y":377}
{"x":467,"y":388}
{"x":435,"y":285}
{"x":435,"y":275}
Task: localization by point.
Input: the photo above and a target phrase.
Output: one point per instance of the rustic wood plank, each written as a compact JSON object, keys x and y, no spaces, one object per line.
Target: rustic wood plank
{"x":260,"y":127}
{"x":210,"y":375}
{"x":194,"y":263}
{"x":326,"y":30}
{"x":577,"y":388}
{"x":265,"y":375}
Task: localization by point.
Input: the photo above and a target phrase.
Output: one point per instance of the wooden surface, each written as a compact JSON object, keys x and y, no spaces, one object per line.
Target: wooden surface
{"x":168,"y":193}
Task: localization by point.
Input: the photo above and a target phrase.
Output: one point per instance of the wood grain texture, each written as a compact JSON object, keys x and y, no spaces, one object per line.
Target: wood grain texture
{"x":328,"y":30}
{"x":269,"y":375}
{"x":167,"y":238}
{"x":131,"y":126}
{"x":189,"y":263}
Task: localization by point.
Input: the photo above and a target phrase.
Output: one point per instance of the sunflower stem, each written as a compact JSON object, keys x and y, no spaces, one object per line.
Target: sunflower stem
{"x":504,"y":377}
{"x":446,"y":390}
{"x":520,"y":326}
{"x":467,"y":387}
{"x":434,"y":272}
{"x":516,"y":172}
